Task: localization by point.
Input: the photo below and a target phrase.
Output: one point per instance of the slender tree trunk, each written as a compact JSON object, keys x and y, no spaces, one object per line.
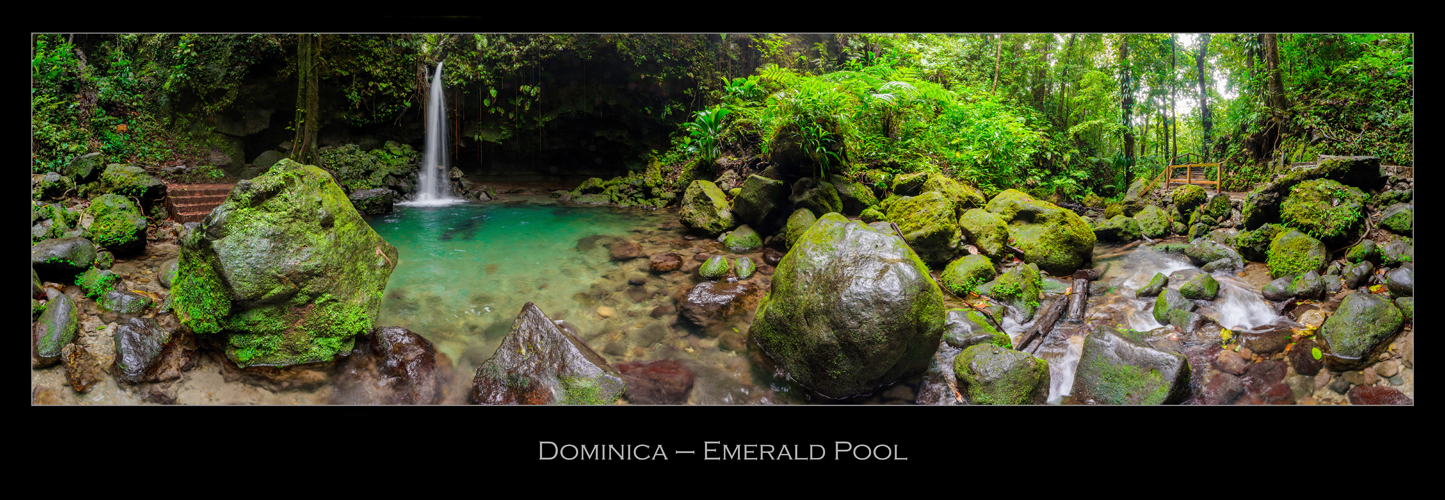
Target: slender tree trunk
{"x":1064,"y":83}
{"x":307,"y":90}
{"x":1127,"y":90}
{"x":1275,"y":93}
{"x":997,"y":62}
{"x":1199,"y":59}
{"x":1173,"y":117}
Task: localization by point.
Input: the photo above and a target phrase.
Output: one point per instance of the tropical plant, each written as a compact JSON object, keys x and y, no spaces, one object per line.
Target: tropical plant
{"x":707,"y":129}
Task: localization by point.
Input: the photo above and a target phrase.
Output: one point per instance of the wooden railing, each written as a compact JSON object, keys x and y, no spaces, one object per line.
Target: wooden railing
{"x":1189,"y":175}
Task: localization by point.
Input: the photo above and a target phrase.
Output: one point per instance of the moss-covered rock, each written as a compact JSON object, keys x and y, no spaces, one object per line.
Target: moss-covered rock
{"x":56,"y":327}
{"x":1202,"y":287}
{"x":132,"y":182}
{"x":820,"y":197}
{"x":855,"y":196}
{"x":1020,"y":287}
{"x":715,"y":267}
{"x":986,"y":231}
{"x":285,"y":269}
{"x":1054,"y":238}
{"x":1293,"y":252}
{"x":1399,"y":218}
{"x":60,"y":259}
{"x":84,"y":168}
{"x":1254,"y":245}
{"x":1117,"y":369}
{"x":910,"y":184}
{"x":963,"y":275}
{"x":963,"y":196}
{"x":1360,"y":325}
{"x":798,"y":223}
{"x":1187,"y":197}
{"x":1119,"y":228}
{"x":760,"y":202}
{"x":991,"y":375}
{"x":967,"y":327}
{"x":1262,"y":205}
{"x":705,"y":209}
{"x":1113,"y":210}
{"x":1366,"y":250}
{"x":1153,"y":222}
{"x":1156,"y":285}
{"x":872,"y":214}
{"x":117,"y":225}
{"x":1218,"y":207}
{"x":1397,"y":252}
{"x":929,"y":225}
{"x":745,"y":267}
{"x":742,"y":240}
{"x":851,"y":310}
{"x":592,"y":185}
{"x":1406,"y":305}
{"x":1326,"y":210}
{"x":372,"y":201}
{"x":96,"y":282}
{"x":1170,"y":299}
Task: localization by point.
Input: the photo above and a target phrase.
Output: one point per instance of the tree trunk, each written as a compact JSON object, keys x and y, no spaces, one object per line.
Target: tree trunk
{"x":307,"y":90}
{"x":1173,"y":117}
{"x":1041,"y":75}
{"x":1078,"y":300}
{"x":997,"y":62}
{"x":1064,"y":82}
{"x":1205,"y":120}
{"x":1275,"y":92}
{"x":1126,"y":90}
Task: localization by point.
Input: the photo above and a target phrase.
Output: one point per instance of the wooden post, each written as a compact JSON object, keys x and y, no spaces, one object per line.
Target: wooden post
{"x":1078,"y":300}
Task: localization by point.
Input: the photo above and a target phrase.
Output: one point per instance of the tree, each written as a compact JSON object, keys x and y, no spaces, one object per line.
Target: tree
{"x":1205,"y":119}
{"x":307,"y":90}
{"x":1127,"y":92}
{"x":1274,"y":95}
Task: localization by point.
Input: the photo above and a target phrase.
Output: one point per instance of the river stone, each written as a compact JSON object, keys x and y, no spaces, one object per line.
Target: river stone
{"x":662,"y":382}
{"x":1203,"y":251}
{"x":664,"y":262}
{"x":1307,"y":286}
{"x":855,"y":196}
{"x":1021,"y":287}
{"x":798,"y":223}
{"x":1397,"y":252}
{"x":705,"y":209}
{"x":538,"y":363}
{"x":967,"y":327}
{"x":1366,"y":250}
{"x":60,"y":259}
{"x":991,"y":375}
{"x":1302,"y":357}
{"x":708,"y":303}
{"x":819,"y":197}
{"x":760,"y":202}
{"x":1407,"y":307}
{"x":372,"y":201}
{"x":744,"y":267}
{"x":1218,"y":207}
{"x":1155,"y":286}
{"x":1187,"y":197}
{"x":1202,"y":287}
{"x":138,"y":346}
{"x":1399,"y":218}
{"x":123,"y":302}
{"x":1362,"y":322}
{"x":1056,"y":239}
{"x":986,"y":231}
{"x":1170,"y":299}
{"x":964,"y":274}
{"x":1326,"y":209}
{"x":166,"y":274}
{"x":1265,"y":382}
{"x":1262,"y":205}
{"x":1376,"y":395}
{"x":742,"y":240}
{"x":715,"y":267}
{"x":286,"y":268}
{"x":409,"y":362}
{"x":1294,"y":252}
{"x":1277,"y":290}
{"x":1222,"y":388}
{"x":1357,"y":275}
{"x":1153,"y":222}
{"x":1116,"y":369}
{"x":772,"y":257}
{"x":1119,"y":228}
{"x":56,"y":328}
{"x":1254,"y":245}
{"x":851,"y":310}
{"x":872,"y":214}
{"x":928,"y":223}
{"x":962,"y":195}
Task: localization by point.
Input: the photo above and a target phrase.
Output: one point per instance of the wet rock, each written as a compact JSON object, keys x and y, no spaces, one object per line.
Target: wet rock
{"x":55,"y":329}
{"x":661,"y":311}
{"x":1388,"y":368}
{"x":745,"y":267}
{"x":855,"y":196}
{"x":798,"y":223}
{"x":1203,"y":251}
{"x":1407,"y":307}
{"x":851,"y":310}
{"x":1222,"y":389}
{"x":772,"y":257}
{"x":1202,"y":287}
{"x":649,"y":334}
{"x":705,"y":209}
{"x":82,"y":367}
{"x":537,"y":363}
{"x":1293,"y":252}
{"x":372,"y":201}
{"x":624,"y":250}
{"x":1376,"y":395}
{"x":742,"y":240}
{"x":1116,"y":369}
{"x":1326,"y":209}
{"x":1302,"y":358}
{"x":123,"y":302}
{"x":1229,"y":361}
{"x":716,"y":267}
{"x":1169,"y":300}
{"x":138,"y":346}
{"x":1265,"y":382}
{"x":1397,"y":252}
{"x":761,"y":201}
{"x":1155,"y":286}
{"x":60,"y":259}
{"x":1301,"y":386}
{"x":1340,"y":385}
{"x":665,"y":382}
{"x":1399,"y":218}
{"x":167,"y":272}
{"x":410,"y":362}
{"x":963,"y":328}
{"x":1366,"y":250}
{"x":1355,"y":276}
{"x":1021,"y":287}
{"x":993,"y":375}
{"x":1055,"y":239}
{"x":732,"y":341}
{"x":1119,"y":228}
{"x":1265,"y":339}
{"x":928,"y":224}
{"x":1362,"y":323}
{"x":986,"y":231}
{"x":818,"y":197}
{"x":710,"y":302}
{"x":963,"y":275}
{"x":1401,"y":280}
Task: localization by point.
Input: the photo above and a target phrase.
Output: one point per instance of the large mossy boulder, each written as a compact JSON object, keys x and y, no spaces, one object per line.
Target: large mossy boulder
{"x":1119,"y":228}
{"x":132,"y":182}
{"x":84,"y":168}
{"x":1332,"y":212}
{"x":285,"y":269}
{"x":965,"y":274}
{"x":851,"y":310}
{"x":991,"y":375}
{"x":1056,"y":239}
{"x":117,"y":224}
{"x":986,"y":231}
{"x":1263,"y":204}
{"x":1254,"y":245}
{"x":929,"y":225}
{"x":963,"y":196}
{"x":539,"y":363}
{"x":1293,"y":252}
{"x":705,"y":209}
{"x":1398,"y":251}
{"x":760,"y":202}
{"x":1363,"y":322}
{"x":1187,"y":197}
{"x":1153,"y":222}
{"x":910,"y":184}
{"x":60,"y":259}
{"x":1218,"y":207}
{"x":820,"y":197}
{"x":1119,"y":369}
{"x":855,"y":196}
{"x":798,"y":223}
{"x":1399,"y":218}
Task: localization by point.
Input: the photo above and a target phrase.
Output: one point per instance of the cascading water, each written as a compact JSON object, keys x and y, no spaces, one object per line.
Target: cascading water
{"x":434,"y":162}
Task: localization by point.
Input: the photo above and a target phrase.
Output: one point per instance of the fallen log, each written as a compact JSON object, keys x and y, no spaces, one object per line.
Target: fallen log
{"x":1121,"y":251}
{"x":1045,"y":323}
{"x":1078,"y":300}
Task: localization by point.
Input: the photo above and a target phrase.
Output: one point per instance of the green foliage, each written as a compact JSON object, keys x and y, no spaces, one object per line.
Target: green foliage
{"x":707,"y":129}
{"x":356,"y":169}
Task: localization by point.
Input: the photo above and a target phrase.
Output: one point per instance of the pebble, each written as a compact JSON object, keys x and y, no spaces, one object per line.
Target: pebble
{"x":1230,"y":362}
{"x":1322,"y":379}
{"x":1354,"y":378}
{"x":1387,"y":369}
{"x":1246,"y":354}
{"x":1397,"y":380}
{"x":606,"y":312}
{"x":1369,"y":375}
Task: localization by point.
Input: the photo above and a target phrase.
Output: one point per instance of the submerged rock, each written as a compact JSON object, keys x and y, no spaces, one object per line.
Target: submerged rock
{"x":1376,"y":395}
{"x":1265,"y":382}
{"x":664,"y":262}
{"x":992,"y":375}
{"x":851,"y":310}
{"x":664,"y":382}
{"x":710,"y":302}
{"x":538,"y":363}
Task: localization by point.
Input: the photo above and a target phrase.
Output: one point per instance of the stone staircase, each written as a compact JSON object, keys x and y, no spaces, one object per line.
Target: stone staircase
{"x":191,"y":202}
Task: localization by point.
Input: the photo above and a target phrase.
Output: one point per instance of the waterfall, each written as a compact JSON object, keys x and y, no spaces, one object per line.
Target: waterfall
{"x":434,"y":162}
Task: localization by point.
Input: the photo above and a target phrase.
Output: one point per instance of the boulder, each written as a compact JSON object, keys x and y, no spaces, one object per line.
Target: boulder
{"x":1135,"y":198}
{"x":286,"y":268}
{"x":910,"y":184}
{"x":372,"y":201}
{"x":1156,"y":284}
{"x":715,"y":267}
{"x":1202,"y":287}
{"x":855,"y":196}
{"x":1366,"y":250}
{"x":138,"y":346}
{"x":1119,"y":228}
{"x":56,"y":327}
{"x":1399,"y":218}
{"x":1358,"y":275}
{"x":1262,"y":205}
{"x":962,"y":195}
{"x":539,"y":363}
{"x":1021,"y":287}
{"x":1117,"y":369}
{"x":1203,"y":251}
{"x":819,"y":197}
{"x":929,"y":226}
{"x":742,"y":240}
{"x":266,"y":159}
{"x":662,"y":382}
{"x":744,"y":267}
{"x":1171,"y":300}
{"x":1187,"y":197}
{"x":134,"y":182}
{"x":1401,"y":280}
{"x":60,"y":259}
{"x":851,"y":310}
{"x":1054,"y":238}
{"x":1396,"y":252}
{"x":50,"y":186}
{"x":1362,"y":323}
{"x":409,"y":362}
{"x":1153,"y":222}
{"x":966,"y":327}
{"x":592,"y":185}
{"x":798,"y":223}
{"x":964,"y":274}
{"x":705,"y":209}
{"x":991,"y":375}
{"x":708,"y":303}
{"x":1325,"y":209}
{"x":1293,"y":252}
{"x":761,"y":201}
{"x":986,"y":231}
{"x":84,"y":168}
{"x":118,"y":224}
{"x":1218,"y":207}
{"x":123,"y":302}
{"x":1302,"y":357}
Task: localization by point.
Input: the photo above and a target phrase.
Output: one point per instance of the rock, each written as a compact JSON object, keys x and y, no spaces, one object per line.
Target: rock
{"x":745,"y":267}
{"x":1229,"y":265}
{"x":708,"y":303}
{"x":716,"y":267}
{"x":606,"y":312}
{"x":624,"y":249}
{"x":1054,"y":238}
{"x":660,"y":311}
{"x":1229,"y":361}
{"x":962,"y":195}
{"x":1203,"y":251}
{"x":1218,"y":207}
{"x":1397,"y":252}
{"x":1202,"y":287}
{"x":1116,"y":369}
{"x":1264,"y":340}
{"x":986,"y":231}
{"x":1169,"y":299}
{"x":592,"y":185}
{"x":409,"y":362}
{"x":851,"y":310}
{"x":1187,"y":197}
{"x":96,"y":282}
{"x":1399,"y":218}
{"x":538,"y":363}
{"x":1222,"y":389}
{"x":1265,"y":381}
{"x":1357,"y":275}
{"x":1366,"y":250}
{"x":798,"y":223}
{"x":267,"y":159}
{"x":818,"y":197}
{"x":372,"y":201}
{"x":166,"y":274}
{"x":82,"y":367}
{"x":55,"y":329}
{"x":1361,"y":324}
{"x":664,"y":382}
{"x":705,"y":209}
{"x":118,"y":224}
{"x":123,"y":302}
{"x":910,"y":184}
{"x":855,"y":196}
{"x":1153,"y":222}
{"x":138,"y":346}
{"x":1376,"y":395}
{"x":742,"y":240}
{"x":664,"y":262}
{"x":761,"y":201}
{"x":1135,"y":198}
{"x":964,"y":274}
{"x":1155,"y":286}
{"x":131,"y":181}
{"x":991,"y":375}
{"x":1119,"y":228}
{"x":929,"y":226}
{"x":1021,"y":287}
{"x":1293,"y":252}
{"x":283,"y":294}
{"x":1254,"y":245}
{"x":1327,"y":210}
{"x":84,"y":168}
{"x":1307,"y":286}
{"x":1407,"y":307}
{"x":872,"y":214}
{"x":60,"y":259}
{"x":1388,"y":368}
{"x":1262,"y":205}
{"x":967,"y":327}
{"x":772,"y":257}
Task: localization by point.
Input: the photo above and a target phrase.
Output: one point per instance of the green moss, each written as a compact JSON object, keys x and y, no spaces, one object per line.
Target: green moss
{"x":1324,"y":209}
{"x":584,"y":391}
{"x":116,"y":220}
{"x":1126,"y":384}
{"x":1293,"y":252}
{"x":96,"y":282}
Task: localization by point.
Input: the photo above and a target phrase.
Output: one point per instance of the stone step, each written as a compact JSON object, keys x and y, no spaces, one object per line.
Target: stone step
{"x":191,"y":202}
{"x":194,"y":199}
